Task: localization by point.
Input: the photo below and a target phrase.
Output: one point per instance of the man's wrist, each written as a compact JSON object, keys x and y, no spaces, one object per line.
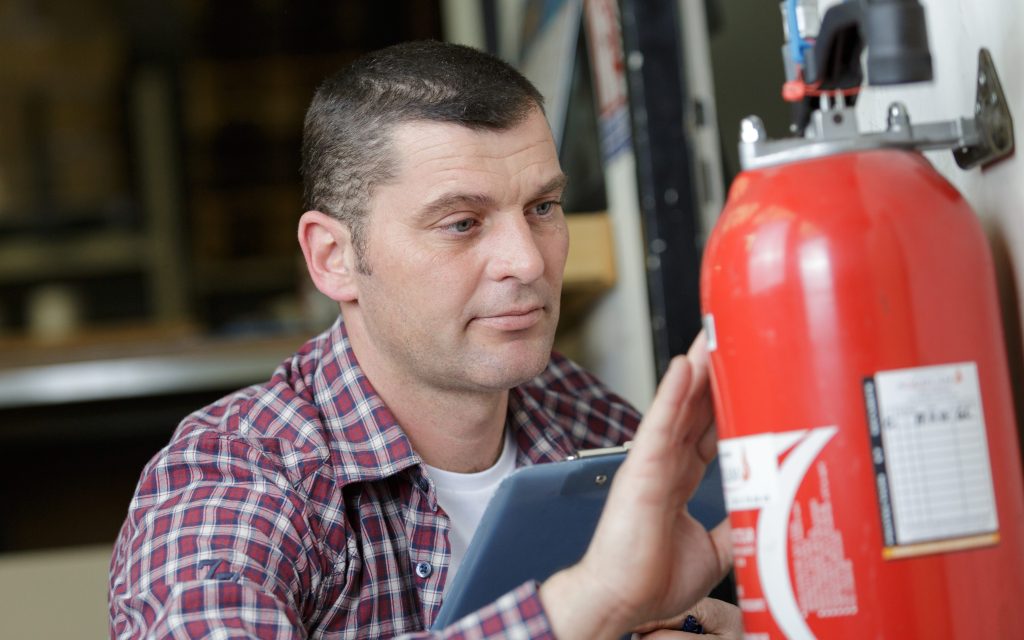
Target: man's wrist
{"x":580,"y":609}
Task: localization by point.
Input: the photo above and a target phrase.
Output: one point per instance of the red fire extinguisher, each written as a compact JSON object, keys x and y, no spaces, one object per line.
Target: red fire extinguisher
{"x":868,"y":443}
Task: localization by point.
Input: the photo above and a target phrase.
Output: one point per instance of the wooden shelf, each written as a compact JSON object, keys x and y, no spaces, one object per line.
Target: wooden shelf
{"x":103,"y":252}
{"x":590,"y":267}
{"x":591,"y":262}
{"x":152,"y":363}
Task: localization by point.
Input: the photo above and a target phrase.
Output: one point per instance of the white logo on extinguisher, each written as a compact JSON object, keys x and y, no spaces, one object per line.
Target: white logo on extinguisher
{"x":754,"y":479}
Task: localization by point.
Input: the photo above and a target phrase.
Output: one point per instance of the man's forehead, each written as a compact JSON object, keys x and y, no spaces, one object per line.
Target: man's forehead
{"x":426,"y":147}
{"x":531,"y":129}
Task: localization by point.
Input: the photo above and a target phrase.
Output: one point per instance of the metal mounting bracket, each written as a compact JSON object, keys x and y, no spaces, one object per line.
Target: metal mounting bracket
{"x":982,"y":140}
{"x":993,"y":118}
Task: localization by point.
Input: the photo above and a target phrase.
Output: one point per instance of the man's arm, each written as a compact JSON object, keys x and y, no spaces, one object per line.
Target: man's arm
{"x":649,"y":559}
{"x":215,"y":539}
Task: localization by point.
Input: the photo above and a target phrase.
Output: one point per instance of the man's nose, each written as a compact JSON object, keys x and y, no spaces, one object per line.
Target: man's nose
{"x":515,"y":251}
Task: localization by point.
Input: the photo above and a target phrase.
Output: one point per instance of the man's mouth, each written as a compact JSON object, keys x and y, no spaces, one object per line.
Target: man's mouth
{"x":517,"y":319}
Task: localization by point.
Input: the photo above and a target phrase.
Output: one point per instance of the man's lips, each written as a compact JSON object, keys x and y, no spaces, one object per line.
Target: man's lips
{"x":512,"y":319}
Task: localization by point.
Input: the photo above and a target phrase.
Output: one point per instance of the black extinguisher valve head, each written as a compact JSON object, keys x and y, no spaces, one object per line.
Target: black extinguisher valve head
{"x":897,"y":39}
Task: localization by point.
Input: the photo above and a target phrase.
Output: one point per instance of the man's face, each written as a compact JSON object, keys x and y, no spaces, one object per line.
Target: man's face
{"x":465,"y":250}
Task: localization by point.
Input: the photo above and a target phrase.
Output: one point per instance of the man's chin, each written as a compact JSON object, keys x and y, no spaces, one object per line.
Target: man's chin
{"x":511,"y":369}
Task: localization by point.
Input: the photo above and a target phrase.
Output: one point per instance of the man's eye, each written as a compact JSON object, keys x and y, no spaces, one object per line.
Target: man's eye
{"x":462,"y":226}
{"x":545,"y":208}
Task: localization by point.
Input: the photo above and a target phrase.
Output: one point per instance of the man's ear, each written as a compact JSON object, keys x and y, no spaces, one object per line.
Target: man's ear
{"x":330,"y":255}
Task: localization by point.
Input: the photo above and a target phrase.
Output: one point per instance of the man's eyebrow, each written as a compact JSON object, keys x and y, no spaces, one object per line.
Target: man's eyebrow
{"x":555,"y":184}
{"x":445,"y":203}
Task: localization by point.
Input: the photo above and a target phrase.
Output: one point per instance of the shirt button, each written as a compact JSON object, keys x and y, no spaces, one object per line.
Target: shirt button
{"x":423,"y":569}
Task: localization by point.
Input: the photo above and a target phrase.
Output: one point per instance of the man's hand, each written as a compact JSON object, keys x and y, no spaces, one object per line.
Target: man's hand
{"x":649,"y":558}
{"x":718,"y":619}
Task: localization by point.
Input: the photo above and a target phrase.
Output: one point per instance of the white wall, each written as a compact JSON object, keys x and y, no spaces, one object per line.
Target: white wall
{"x":956,"y":30}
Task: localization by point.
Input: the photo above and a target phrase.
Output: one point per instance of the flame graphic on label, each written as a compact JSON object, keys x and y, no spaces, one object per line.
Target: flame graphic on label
{"x":772,"y":541}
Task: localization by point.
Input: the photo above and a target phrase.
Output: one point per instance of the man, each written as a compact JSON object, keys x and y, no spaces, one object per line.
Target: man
{"x":311,"y":505}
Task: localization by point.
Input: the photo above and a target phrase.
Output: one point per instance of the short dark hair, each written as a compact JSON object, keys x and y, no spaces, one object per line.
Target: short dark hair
{"x":346,"y":150}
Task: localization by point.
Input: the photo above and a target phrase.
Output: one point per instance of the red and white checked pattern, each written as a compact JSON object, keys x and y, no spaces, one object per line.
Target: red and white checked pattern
{"x":297,"y":508}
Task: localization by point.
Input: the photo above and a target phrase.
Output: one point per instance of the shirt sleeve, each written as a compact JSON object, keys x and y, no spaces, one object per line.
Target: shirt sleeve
{"x":517,"y":615}
{"x":217,"y":543}
{"x":216,"y":538}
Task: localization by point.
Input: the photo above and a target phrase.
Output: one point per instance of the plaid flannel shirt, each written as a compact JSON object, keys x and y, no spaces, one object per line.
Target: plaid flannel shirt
{"x":297,"y":508}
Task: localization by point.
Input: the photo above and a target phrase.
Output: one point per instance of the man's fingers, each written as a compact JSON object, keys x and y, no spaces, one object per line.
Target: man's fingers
{"x":663,"y":634}
{"x":697,"y":405}
{"x":707,"y":446}
{"x":656,"y":431}
{"x":682,"y":394}
{"x":698,"y":357}
{"x":721,"y":537}
{"x":718,"y":618}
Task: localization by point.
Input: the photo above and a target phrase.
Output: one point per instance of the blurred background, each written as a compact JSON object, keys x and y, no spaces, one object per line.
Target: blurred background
{"x":149,"y":195}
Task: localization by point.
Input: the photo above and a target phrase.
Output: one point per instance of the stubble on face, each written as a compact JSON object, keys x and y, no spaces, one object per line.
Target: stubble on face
{"x":474,"y":311}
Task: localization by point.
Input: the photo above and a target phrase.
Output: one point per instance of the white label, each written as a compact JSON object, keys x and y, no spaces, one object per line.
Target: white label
{"x":765,"y":472}
{"x":935,"y":451}
{"x":750,"y":470}
{"x":822,"y":570}
{"x":709,"y":330}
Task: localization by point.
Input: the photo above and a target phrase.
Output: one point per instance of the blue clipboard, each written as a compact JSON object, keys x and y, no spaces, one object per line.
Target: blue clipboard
{"x":540,"y":520}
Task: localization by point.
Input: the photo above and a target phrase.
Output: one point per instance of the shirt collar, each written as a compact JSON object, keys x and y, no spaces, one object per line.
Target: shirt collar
{"x":366,"y":439}
{"x":538,"y":434}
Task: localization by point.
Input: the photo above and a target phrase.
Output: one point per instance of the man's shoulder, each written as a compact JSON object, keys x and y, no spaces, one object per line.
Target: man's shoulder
{"x":278,"y":419}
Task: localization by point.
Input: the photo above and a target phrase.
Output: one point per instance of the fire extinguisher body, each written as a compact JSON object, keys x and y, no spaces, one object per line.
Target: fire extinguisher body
{"x":867,"y":437}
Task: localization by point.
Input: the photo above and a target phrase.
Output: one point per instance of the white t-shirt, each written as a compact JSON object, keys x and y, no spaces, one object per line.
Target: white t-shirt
{"x":464,"y":496}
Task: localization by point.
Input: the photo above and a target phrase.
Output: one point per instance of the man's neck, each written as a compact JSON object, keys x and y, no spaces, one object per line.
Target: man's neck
{"x":457,"y":432}
{"x":454,"y":430}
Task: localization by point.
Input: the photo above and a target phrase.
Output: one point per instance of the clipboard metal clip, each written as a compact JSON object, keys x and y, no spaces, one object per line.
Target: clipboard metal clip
{"x":605,"y":451}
